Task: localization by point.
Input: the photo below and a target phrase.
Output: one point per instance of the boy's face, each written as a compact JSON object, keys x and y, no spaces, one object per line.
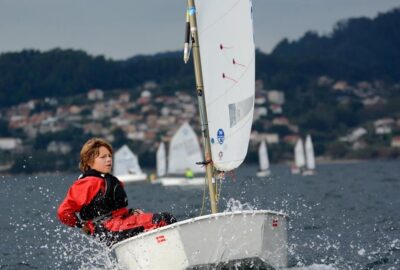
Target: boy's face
{"x":103,"y":162}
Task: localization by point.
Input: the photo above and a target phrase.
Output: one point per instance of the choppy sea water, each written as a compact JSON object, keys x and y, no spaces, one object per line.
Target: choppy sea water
{"x":347,"y":216}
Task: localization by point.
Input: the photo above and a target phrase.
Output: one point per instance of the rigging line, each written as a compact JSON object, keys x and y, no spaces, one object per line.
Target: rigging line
{"x":228,"y":89}
{"x":219,"y":189}
{"x":204,"y":196}
{"x":216,"y":191}
{"x":220,"y":18}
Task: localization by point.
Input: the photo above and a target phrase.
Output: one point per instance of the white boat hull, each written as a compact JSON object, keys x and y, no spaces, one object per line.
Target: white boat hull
{"x":130,"y":178}
{"x":263,"y":173}
{"x":182,"y":181}
{"x":156,"y":181}
{"x":209,"y":240}
{"x":308,"y":172}
{"x":295,"y":170}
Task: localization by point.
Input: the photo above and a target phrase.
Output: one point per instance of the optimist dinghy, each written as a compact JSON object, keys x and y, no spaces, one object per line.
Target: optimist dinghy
{"x":263,"y":160}
{"x":219,"y":35}
{"x":209,"y":241}
{"x":184,"y":152}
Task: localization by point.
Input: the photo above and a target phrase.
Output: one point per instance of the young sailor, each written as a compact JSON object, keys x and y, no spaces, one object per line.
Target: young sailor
{"x":97,"y":202}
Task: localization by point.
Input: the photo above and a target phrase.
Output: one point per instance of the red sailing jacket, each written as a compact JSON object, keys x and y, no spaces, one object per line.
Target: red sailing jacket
{"x":83,"y":191}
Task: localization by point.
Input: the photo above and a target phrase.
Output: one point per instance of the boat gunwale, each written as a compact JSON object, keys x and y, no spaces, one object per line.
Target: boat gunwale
{"x":204,"y":217}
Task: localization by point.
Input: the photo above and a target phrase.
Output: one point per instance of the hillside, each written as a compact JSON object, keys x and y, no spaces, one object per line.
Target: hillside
{"x":343,"y":89}
{"x":357,"y":49}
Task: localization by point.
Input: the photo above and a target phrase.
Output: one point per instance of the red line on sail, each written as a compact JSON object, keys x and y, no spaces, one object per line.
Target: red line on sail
{"x":228,"y":78}
{"x":222,"y":47}
{"x":236,"y":63}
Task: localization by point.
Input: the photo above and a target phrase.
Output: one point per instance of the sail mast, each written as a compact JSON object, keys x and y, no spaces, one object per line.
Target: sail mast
{"x":191,"y":13}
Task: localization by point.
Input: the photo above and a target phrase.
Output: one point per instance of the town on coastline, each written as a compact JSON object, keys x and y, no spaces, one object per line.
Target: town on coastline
{"x":45,"y":134}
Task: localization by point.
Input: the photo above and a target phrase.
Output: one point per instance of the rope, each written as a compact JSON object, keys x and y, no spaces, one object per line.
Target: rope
{"x":219,"y":189}
{"x":204,"y":197}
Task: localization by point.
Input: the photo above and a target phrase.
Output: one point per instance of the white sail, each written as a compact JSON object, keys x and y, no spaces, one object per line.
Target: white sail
{"x":126,"y":162}
{"x":263,"y":156}
{"x":161,"y":160}
{"x":310,"y":158}
{"x":228,"y":66}
{"x":184,"y":151}
{"x":299,"y":158}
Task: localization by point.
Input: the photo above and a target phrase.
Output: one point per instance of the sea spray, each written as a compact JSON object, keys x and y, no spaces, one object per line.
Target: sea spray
{"x":40,"y":241}
{"x":343,"y":218}
{"x":233,"y":205}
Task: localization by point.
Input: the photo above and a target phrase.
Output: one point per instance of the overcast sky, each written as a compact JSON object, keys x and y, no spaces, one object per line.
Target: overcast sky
{"x":123,"y":28}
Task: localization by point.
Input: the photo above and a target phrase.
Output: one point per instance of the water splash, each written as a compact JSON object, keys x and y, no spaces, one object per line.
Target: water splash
{"x":343,"y":218}
{"x":60,"y":247}
{"x":233,"y":205}
{"x":315,"y":267}
{"x":37,"y":240}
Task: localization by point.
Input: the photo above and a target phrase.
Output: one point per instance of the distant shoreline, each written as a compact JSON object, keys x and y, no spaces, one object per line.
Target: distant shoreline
{"x":319,"y":161}
{"x":341,"y":161}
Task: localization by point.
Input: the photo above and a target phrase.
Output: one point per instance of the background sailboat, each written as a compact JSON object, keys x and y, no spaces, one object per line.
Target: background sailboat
{"x":310,"y":158}
{"x":184,"y":152}
{"x":161,"y":160}
{"x":223,"y":44}
{"x":263,"y":160}
{"x":299,"y":157}
{"x":161,"y":164}
{"x":126,"y":166}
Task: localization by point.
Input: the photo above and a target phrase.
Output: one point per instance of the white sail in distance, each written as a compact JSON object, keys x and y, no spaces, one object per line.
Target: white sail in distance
{"x":227,"y":55}
{"x":161,"y":160}
{"x":299,"y":158}
{"x":263,"y":156}
{"x":184,"y":151}
{"x":310,"y":158}
{"x":126,"y":162}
